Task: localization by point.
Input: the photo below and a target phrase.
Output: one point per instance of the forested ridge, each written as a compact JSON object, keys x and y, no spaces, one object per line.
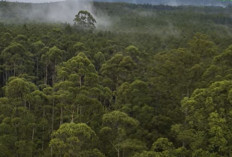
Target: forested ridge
{"x":223,"y":3}
{"x":156,"y":82}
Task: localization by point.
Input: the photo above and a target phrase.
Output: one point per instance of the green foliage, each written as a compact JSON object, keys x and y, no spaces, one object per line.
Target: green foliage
{"x":149,"y":81}
{"x":72,"y":139}
{"x":117,"y":125}
{"x":85,"y":20}
{"x":206,"y":120}
{"x":118,"y":70}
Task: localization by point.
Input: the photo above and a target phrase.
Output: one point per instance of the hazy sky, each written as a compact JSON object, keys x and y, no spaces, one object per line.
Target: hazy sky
{"x":35,"y":1}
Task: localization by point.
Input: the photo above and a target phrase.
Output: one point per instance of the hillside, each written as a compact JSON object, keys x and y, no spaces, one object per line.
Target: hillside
{"x":119,"y":80}
{"x":222,"y":3}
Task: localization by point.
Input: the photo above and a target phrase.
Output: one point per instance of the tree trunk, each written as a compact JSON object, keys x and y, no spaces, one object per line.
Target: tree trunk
{"x":33,"y":134}
{"x":43,"y":139}
{"x":25,"y":103}
{"x":14,"y":68}
{"x":61,"y":115}
{"x":80,"y":82}
{"x":37,"y":66}
{"x":80,"y":112}
{"x":54,"y":73}
{"x":43,"y":129}
{"x":51,"y":151}
{"x":6,"y":76}
{"x":72,"y":116}
{"x":29,"y":105}
{"x":46,"y":75}
{"x":32,"y":138}
{"x":43,"y":111}
{"x":53,"y":111}
{"x":188,"y":92}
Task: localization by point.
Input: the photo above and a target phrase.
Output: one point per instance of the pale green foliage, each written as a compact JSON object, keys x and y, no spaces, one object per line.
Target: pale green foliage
{"x":202,"y":47}
{"x":206,"y":120}
{"x":117,"y":125}
{"x":54,"y":55}
{"x":78,"y":47}
{"x":162,"y":144}
{"x":148,"y":154}
{"x":117,"y":119}
{"x":15,"y":58}
{"x":133,"y":144}
{"x":217,"y":132}
{"x":134,"y":53}
{"x":118,"y":69}
{"x":79,"y":70}
{"x":221,"y":67}
{"x":19,"y":88}
{"x":73,"y":139}
{"x":99,"y":59}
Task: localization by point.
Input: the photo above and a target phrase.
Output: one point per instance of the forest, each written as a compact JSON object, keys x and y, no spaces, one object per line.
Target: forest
{"x":155,"y":81}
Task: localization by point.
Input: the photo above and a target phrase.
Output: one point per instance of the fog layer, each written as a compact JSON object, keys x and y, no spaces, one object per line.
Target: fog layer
{"x":64,"y":11}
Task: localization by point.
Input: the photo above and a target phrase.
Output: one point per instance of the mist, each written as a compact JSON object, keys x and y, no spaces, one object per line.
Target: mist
{"x":35,"y":1}
{"x":62,"y":11}
{"x":220,"y":3}
{"x":59,"y":12}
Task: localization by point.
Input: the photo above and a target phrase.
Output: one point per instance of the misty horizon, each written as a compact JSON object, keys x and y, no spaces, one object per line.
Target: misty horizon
{"x":35,"y":1}
{"x":64,"y":11}
{"x":221,"y":3}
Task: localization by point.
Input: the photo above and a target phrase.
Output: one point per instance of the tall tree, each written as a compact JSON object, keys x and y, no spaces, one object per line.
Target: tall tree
{"x":206,"y":125}
{"x":74,"y":139}
{"x":117,"y":70}
{"x":17,"y":60}
{"x":85,"y":20}
{"x":52,"y":58}
{"x":117,"y":126}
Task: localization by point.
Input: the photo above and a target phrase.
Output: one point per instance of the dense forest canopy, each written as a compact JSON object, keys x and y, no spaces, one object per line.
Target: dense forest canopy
{"x":147,"y":81}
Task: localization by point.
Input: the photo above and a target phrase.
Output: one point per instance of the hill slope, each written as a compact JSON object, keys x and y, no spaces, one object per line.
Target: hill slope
{"x":176,"y":2}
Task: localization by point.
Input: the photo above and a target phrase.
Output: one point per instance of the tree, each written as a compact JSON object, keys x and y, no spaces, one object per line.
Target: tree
{"x":16,"y":133}
{"x":147,"y":154}
{"x":51,"y":58}
{"x":78,"y":91}
{"x":37,"y":51}
{"x":164,"y":146}
{"x":220,"y":69}
{"x":136,"y":94}
{"x":18,"y":90}
{"x":16,"y":60}
{"x":79,"y":70}
{"x":117,"y":70}
{"x":6,"y":39}
{"x":74,"y":140}
{"x":99,"y":59}
{"x":117,"y":125}
{"x":85,"y":20}
{"x":207,"y":120}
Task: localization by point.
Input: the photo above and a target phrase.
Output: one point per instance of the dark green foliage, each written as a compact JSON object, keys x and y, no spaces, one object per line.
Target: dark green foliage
{"x":156,"y":82}
{"x":85,"y":20}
